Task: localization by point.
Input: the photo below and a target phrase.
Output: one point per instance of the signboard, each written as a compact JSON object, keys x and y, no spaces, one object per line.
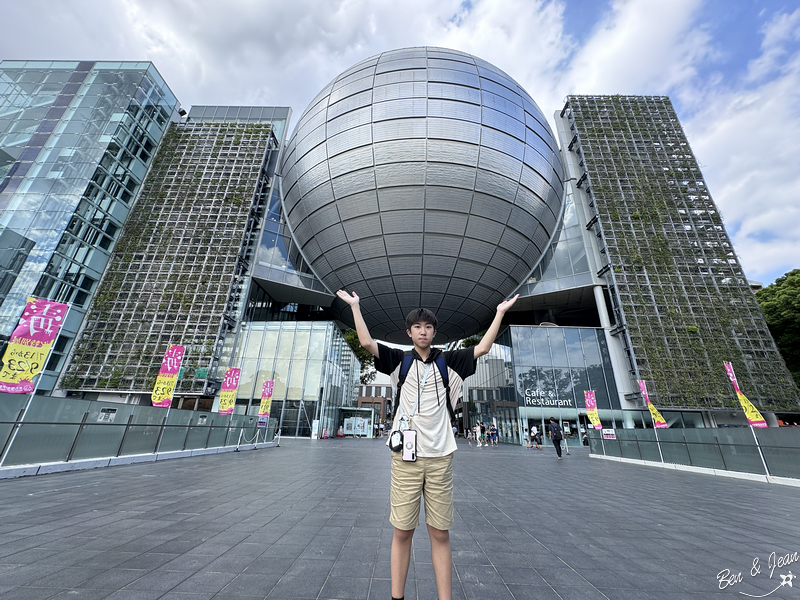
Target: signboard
{"x":609,"y":434}
{"x":591,"y":408}
{"x":263,"y":421}
{"x":168,"y":376}
{"x":107,"y":415}
{"x":535,"y":397}
{"x":227,"y":395}
{"x":349,"y":426}
{"x":266,"y":399}
{"x":659,"y":422}
{"x":30,"y":344}
{"x":751,"y":412}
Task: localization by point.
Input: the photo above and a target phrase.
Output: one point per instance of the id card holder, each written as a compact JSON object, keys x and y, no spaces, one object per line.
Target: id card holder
{"x":409,"y":445}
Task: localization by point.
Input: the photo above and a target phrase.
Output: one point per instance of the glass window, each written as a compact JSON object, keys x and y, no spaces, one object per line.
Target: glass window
{"x":298,"y":372}
{"x":253,"y":345}
{"x":541,"y":346}
{"x":280,"y":376}
{"x":523,"y":347}
{"x":270,"y":343}
{"x":301,"y":339}
{"x":311,"y":388}
{"x":561,"y":260}
{"x":285,"y":343}
{"x":316,"y":344}
{"x":558,"y":348}
{"x":247,"y":378}
{"x":574,"y":350}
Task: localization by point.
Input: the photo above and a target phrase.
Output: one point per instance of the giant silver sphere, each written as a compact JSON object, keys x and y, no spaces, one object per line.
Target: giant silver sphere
{"x":423,"y":177}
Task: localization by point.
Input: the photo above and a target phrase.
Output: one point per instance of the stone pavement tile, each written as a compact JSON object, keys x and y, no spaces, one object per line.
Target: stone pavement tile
{"x":269,"y":564}
{"x":83,"y":594}
{"x":345,"y":588}
{"x":427,"y":589}
{"x":579,"y":592}
{"x":250,"y":585}
{"x":67,"y":578}
{"x":148,"y":561}
{"x":112,"y":579}
{"x":521,"y":575}
{"x":30,"y":593}
{"x":188,"y":596}
{"x":25,"y":574}
{"x":482,"y":574}
{"x":204,"y":582}
{"x":347,"y":568}
{"x":299,"y":585}
{"x":529,"y":592}
{"x":480,"y":591}
{"x":380,"y":589}
{"x":160,"y":580}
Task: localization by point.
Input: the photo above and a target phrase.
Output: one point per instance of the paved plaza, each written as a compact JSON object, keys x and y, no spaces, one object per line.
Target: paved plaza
{"x":310,"y":520}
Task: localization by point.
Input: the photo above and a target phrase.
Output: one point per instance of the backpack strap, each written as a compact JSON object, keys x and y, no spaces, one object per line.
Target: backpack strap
{"x":405,"y":367}
{"x":446,"y":382}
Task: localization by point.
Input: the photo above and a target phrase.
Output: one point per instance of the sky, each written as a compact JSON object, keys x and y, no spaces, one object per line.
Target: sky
{"x":731,"y":67}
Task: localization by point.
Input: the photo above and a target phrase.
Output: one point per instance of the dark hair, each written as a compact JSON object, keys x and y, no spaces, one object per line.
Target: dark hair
{"x":421,"y":315}
{"x":552,"y":418}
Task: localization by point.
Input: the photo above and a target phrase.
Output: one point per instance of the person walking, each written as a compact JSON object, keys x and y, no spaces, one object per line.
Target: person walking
{"x":477,"y":430}
{"x":536,"y":437}
{"x":422,"y":408}
{"x":483,"y":435}
{"x":469,"y":437}
{"x":556,"y":435}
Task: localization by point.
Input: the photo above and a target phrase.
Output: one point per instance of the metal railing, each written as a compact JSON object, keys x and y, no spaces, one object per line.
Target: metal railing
{"x":774,"y":451}
{"x":65,"y":429}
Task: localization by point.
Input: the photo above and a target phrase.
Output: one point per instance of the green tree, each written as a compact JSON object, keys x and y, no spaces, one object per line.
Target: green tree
{"x":472,"y":341}
{"x":367,"y":363}
{"x":780,"y":303}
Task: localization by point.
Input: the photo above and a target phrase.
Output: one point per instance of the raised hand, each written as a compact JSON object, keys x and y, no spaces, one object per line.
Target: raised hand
{"x":351,"y":300}
{"x":506,"y":304}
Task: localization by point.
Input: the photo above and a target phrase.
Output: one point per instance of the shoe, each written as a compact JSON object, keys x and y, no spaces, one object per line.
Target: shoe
{"x":559,"y":458}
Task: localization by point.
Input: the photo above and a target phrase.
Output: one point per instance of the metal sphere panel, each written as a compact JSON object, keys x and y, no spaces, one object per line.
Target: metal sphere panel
{"x":423,"y":177}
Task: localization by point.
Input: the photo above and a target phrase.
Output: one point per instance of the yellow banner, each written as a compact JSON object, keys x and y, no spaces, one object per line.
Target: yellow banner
{"x":591,"y":408}
{"x":754,"y":417}
{"x":659,"y":421}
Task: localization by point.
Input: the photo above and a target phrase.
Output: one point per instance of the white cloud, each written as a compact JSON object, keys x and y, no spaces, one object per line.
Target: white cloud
{"x":748,"y":138}
{"x":746,"y":134}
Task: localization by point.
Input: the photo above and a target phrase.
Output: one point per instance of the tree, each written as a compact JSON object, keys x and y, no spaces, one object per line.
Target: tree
{"x":367,"y":364}
{"x":472,"y":341}
{"x":780,"y":303}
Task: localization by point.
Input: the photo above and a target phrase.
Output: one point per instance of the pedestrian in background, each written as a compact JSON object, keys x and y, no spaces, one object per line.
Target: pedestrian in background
{"x":556,"y":435}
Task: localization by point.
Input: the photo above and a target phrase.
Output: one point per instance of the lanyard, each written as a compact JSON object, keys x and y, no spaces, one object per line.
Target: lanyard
{"x":403,"y":418}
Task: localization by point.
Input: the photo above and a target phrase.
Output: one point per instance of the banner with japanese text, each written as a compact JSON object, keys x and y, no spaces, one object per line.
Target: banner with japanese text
{"x":658,"y":421}
{"x":168,"y":376}
{"x":266,"y":398}
{"x":591,"y":408}
{"x":227,"y":395}
{"x":30,"y":344}
{"x":751,"y":412}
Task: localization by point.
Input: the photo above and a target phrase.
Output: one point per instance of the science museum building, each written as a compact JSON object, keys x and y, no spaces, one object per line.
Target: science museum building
{"x":419,"y":177}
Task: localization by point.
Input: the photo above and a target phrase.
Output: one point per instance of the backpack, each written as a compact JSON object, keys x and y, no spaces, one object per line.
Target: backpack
{"x":405,"y":367}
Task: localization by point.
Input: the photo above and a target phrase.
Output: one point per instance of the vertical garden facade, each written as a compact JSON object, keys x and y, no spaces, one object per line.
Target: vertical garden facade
{"x":681,"y":302}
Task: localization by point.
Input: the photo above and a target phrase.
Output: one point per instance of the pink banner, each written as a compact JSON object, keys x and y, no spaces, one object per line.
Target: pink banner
{"x":30,"y":344}
{"x":227,"y":395}
{"x":168,"y":376}
{"x":266,"y":398}
{"x":659,"y":422}
{"x":591,"y":408}
{"x":751,"y":412}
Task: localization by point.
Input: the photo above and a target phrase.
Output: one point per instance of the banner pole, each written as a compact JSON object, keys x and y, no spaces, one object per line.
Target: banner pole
{"x":760,"y":453}
{"x":18,"y":425}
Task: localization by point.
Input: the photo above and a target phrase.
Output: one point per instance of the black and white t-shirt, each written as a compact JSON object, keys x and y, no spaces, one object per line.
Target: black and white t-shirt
{"x":432,"y":419}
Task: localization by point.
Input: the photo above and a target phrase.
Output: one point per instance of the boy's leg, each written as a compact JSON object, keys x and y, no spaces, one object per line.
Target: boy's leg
{"x":400,"y":557}
{"x":442,"y":559}
{"x":438,"y":493}
{"x":404,"y":498}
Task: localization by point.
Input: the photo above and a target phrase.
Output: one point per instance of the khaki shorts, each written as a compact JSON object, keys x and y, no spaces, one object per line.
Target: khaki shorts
{"x":429,"y":477}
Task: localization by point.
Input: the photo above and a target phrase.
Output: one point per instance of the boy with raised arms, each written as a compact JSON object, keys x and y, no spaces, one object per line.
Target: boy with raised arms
{"x":423,"y":404}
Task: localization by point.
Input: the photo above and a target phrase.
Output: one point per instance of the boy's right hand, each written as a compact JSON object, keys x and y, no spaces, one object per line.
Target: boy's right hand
{"x":351,"y":300}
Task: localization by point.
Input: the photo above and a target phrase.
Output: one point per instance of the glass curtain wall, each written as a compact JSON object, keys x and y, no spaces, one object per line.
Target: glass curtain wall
{"x":314,"y":371}
{"x":534,"y":373}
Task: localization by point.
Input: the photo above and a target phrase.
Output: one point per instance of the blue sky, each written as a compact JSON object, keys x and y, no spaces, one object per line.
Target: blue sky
{"x":731,"y":67}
